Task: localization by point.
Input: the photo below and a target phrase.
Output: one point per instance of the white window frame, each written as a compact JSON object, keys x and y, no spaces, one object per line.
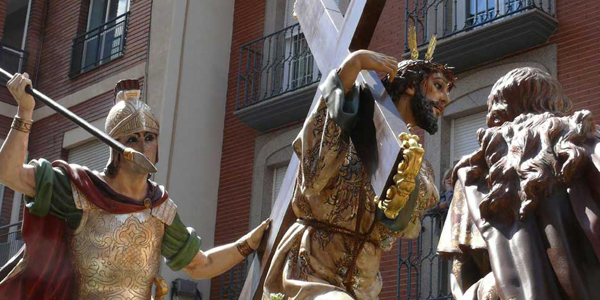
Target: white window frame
{"x":21,"y":54}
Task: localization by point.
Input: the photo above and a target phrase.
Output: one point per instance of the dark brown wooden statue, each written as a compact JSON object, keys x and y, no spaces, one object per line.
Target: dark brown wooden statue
{"x":524,"y":220}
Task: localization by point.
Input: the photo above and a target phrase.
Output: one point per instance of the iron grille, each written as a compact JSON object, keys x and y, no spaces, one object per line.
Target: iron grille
{"x":233,"y":281}
{"x":99,"y":45}
{"x":447,"y":18}
{"x":274,"y":65}
{"x":421,"y":273}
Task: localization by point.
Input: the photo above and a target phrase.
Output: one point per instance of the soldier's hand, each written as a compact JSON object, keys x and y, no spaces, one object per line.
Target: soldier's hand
{"x":255,"y":236}
{"x":16,"y":86}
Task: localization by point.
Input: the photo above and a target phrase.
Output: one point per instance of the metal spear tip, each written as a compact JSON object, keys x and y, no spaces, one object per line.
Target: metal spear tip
{"x":139,"y":159}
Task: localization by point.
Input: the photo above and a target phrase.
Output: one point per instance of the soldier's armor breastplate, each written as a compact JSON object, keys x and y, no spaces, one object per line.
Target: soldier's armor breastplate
{"x":115,"y":256}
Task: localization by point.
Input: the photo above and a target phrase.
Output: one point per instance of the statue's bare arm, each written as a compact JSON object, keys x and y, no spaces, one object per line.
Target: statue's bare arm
{"x":13,"y":172}
{"x":218,"y":260}
{"x":366,"y":60}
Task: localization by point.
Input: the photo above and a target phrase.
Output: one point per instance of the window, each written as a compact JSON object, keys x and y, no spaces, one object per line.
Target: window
{"x":93,"y":155}
{"x":105,"y":37}
{"x":278,"y":176}
{"x":302,"y":68}
{"x":12,"y":54}
{"x":480,"y":11}
{"x":463,"y":139}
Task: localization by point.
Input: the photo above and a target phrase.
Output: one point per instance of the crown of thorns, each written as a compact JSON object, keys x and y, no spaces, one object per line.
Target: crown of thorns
{"x":413,"y":68}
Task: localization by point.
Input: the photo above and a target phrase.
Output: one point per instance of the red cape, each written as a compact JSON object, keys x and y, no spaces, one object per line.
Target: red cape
{"x":47,"y":273}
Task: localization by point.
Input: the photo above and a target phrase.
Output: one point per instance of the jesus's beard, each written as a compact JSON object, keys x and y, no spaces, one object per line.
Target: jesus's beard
{"x":422,"y":109}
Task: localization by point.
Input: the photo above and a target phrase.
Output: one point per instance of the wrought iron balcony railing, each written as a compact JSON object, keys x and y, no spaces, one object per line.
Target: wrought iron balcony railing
{"x":232,"y":281}
{"x":447,"y":18}
{"x":99,"y":45}
{"x":426,"y":274}
{"x":12,"y":60}
{"x":11,"y":241}
{"x":274,"y":65}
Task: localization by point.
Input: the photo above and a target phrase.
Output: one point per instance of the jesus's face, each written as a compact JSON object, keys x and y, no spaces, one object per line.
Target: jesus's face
{"x":429,"y":101}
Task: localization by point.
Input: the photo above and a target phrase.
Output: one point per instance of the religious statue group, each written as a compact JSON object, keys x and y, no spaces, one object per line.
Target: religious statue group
{"x":524,"y":222}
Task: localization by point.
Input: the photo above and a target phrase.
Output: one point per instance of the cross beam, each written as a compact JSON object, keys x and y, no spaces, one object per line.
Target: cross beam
{"x":331,"y":37}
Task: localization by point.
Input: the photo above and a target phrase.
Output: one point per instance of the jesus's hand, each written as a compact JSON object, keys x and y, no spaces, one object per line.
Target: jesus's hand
{"x":366,"y":60}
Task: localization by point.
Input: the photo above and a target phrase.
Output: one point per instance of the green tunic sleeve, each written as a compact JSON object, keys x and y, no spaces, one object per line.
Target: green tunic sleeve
{"x":180,"y":244}
{"x":53,"y":194}
{"x":343,"y":109}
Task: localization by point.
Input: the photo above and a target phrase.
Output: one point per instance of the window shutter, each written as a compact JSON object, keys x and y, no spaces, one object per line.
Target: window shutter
{"x":289,"y":13}
{"x":464,"y":134}
{"x":278,"y":176}
{"x":93,"y":155}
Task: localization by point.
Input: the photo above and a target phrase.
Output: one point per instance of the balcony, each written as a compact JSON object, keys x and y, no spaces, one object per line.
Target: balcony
{"x":11,"y":241}
{"x":277,"y":80}
{"x":472,"y":32}
{"x":99,"y":45}
{"x":12,"y":60}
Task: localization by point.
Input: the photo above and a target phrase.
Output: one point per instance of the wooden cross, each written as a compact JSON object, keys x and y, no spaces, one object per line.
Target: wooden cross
{"x":331,"y":37}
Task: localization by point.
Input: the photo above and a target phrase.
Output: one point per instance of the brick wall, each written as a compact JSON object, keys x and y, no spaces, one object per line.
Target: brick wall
{"x":62,"y":27}
{"x":578,"y":38}
{"x":3,"y":5}
{"x":233,"y":208}
{"x":63,"y":23}
{"x":37,"y":18}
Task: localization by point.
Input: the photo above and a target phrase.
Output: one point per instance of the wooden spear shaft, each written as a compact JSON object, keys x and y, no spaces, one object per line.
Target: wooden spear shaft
{"x":129,"y":154}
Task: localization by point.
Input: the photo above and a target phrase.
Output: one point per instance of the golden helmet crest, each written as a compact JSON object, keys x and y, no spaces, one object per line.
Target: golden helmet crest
{"x":129,"y":114}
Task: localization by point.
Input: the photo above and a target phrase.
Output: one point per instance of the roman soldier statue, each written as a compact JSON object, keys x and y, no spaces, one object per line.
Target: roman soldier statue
{"x":91,"y":235}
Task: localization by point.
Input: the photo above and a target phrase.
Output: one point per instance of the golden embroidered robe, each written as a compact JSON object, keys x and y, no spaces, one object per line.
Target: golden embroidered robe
{"x":336,"y":245}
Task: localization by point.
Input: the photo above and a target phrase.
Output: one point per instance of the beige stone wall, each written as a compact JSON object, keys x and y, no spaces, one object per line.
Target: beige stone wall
{"x":187,"y":83}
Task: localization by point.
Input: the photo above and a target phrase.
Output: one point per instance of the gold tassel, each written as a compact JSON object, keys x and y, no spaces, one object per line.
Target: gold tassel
{"x":431,"y":48}
{"x":412,"y":42}
{"x":161,"y":288}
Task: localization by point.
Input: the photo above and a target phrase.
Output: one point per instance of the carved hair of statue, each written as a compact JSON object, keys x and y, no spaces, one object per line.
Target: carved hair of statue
{"x":537,"y":147}
{"x":525,"y":90}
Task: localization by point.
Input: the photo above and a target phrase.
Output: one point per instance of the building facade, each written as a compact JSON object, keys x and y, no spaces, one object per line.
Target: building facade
{"x":232,"y":81}
{"x":76,"y":51}
{"x":273,"y":80}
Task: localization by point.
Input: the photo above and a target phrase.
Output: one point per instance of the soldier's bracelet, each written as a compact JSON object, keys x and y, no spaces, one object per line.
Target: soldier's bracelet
{"x":244,"y":248}
{"x":21,"y":124}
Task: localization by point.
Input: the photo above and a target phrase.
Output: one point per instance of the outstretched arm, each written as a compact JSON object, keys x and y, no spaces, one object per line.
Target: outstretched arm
{"x":218,"y":260}
{"x":13,"y":172}
{"x":366,"y":60}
